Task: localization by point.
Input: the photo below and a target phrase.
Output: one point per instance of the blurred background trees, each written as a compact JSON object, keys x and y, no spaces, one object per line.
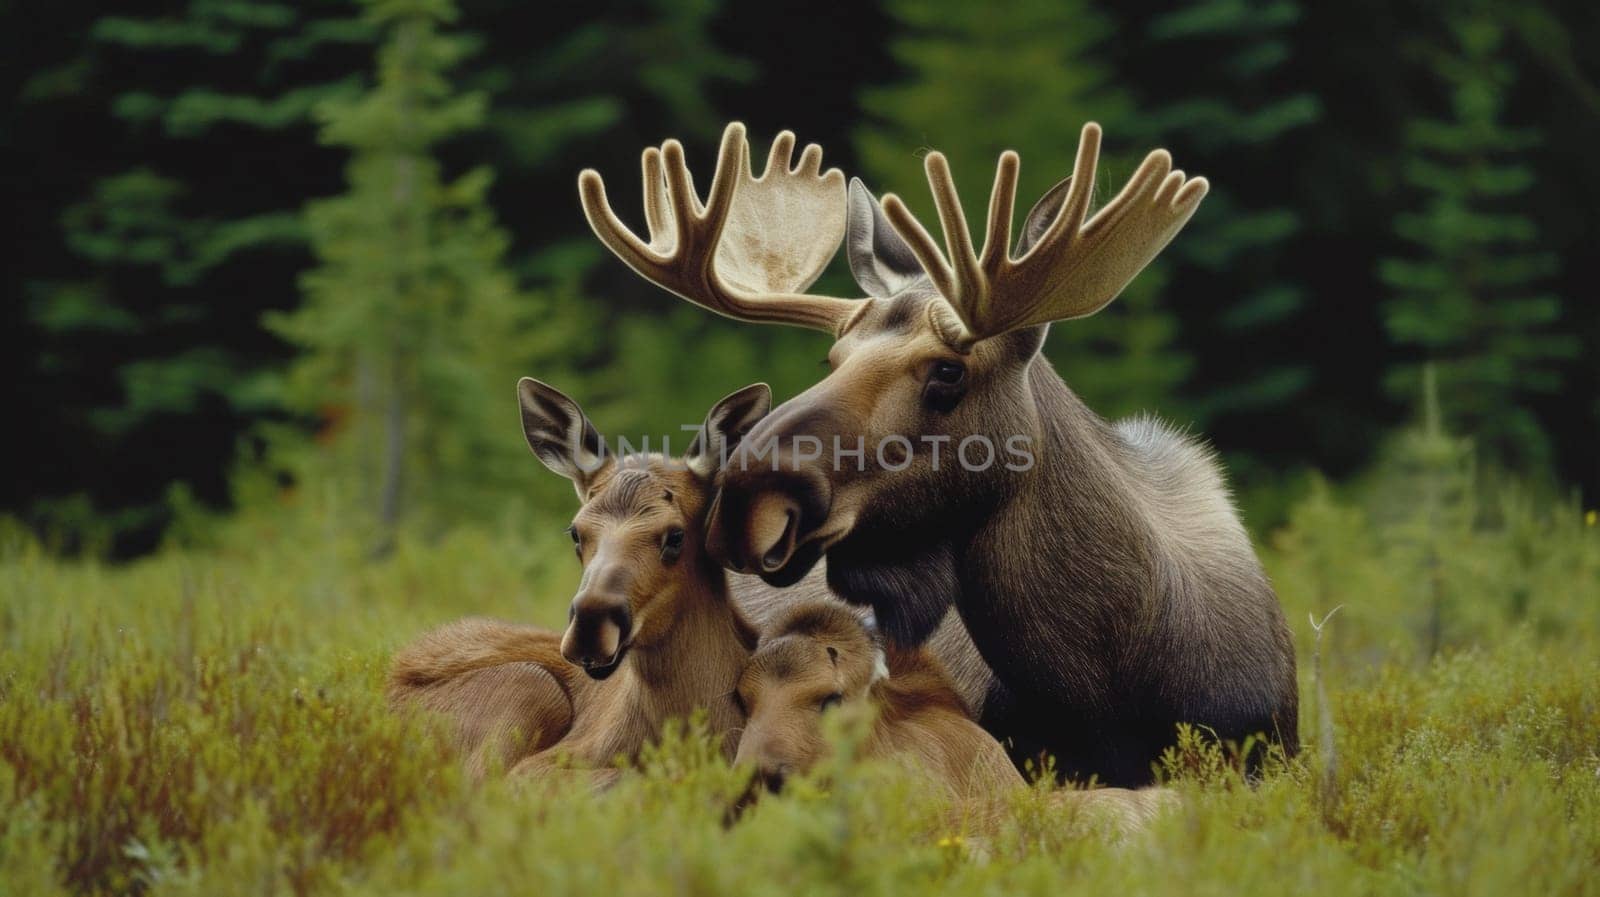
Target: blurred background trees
{"x":411,"y":326}
{"x":1468,"y":294}
{"x":313,"y":244}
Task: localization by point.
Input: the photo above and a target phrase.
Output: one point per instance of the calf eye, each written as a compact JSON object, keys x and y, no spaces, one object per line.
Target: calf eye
{"x":672,"y":545}
{"x":830,"y":701}
{"x":947,"y":383}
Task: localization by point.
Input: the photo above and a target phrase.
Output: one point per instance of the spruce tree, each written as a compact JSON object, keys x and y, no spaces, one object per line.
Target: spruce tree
{"x":1025,"y":76}
{"x":1229,"y":118}
{"x":190,"y":149}
{"x":412,"y":329}
{"x":172,"y":232}
{"x":1467,"y":296}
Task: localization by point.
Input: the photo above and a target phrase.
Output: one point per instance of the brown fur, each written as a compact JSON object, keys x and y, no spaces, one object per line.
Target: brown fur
{"x":821,"y":649}
{"x":513,"y":696}
{"x":1109,"y":584}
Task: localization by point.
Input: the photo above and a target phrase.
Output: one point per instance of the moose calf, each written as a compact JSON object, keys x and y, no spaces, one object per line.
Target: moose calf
{"x":820,"y":654}
{"x":653,"y":633}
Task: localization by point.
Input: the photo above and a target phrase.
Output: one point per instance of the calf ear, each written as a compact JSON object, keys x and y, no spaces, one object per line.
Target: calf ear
{"x":881,"y":262}
{"x":726,"y":423}
{"x":560,"y":434}
{"x":1042,"y":215}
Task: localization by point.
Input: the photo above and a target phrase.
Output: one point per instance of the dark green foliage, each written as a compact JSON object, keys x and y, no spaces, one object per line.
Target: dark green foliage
{"x":1468,"y":295}
{"x":178,"y":225}
{"x":1239,"y":107}
{"x":412,"y":332}
{"x":1389,"y":187}
{"x":1237,"y":115}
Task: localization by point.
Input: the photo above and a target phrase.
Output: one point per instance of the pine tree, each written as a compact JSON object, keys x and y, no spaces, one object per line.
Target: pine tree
{"x":1425,"y":495}
{"x":185,"y":221}
{"x":1228,"y":118}
{"x":192,"y":152}
{"x":1025,"y":75}
{"x":1467,"y":297}
{"x":412,"y":328}
{"x":178,"y":233}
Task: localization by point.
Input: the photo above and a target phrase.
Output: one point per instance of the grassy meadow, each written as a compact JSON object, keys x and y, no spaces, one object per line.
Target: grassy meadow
{"x":210,"y":721}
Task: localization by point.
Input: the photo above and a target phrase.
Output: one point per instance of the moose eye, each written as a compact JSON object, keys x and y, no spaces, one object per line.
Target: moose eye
{"x":947,"y":383}
{"x":671,"y":545}
{"x":577,"y":540}
{"x":738,"y":701}
{"x":948,"y":372}
{"x":830,"y":701}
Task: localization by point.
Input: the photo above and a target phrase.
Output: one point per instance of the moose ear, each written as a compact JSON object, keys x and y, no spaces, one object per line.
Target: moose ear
{"x":1042,"y":215}
{"x":726,"y":423}
{"x":560,"y":434}
{"x":881,"y":262}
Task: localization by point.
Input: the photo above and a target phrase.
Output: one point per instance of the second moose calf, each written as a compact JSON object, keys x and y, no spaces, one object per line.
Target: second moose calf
{"x":821,"y":654}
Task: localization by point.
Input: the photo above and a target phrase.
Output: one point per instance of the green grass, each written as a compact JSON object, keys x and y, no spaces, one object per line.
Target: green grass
{"x":209,"y":721}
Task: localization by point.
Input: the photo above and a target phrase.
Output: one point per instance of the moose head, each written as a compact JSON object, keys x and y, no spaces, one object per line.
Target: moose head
{"x":927,"y":405}
{"x":638,"y":533}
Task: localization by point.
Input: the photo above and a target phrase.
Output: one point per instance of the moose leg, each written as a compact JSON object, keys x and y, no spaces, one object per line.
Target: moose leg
{"x":549,"y":766}
{"x":500,"y":714}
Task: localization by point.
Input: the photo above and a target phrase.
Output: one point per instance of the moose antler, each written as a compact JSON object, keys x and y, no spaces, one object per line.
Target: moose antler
{"x":752,"y":248}
{"x":1074,"y":269}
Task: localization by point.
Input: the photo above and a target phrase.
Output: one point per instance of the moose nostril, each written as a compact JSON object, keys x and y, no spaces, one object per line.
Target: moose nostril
{"x":773,"y":528}
{"x":773,"y":779}
{"x":780,"y":550}
{"x":599,"y":631}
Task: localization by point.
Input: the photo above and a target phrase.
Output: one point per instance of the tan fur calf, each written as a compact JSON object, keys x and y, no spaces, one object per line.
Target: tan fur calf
{"x":653,"y":635}
{"x":821,"y":655}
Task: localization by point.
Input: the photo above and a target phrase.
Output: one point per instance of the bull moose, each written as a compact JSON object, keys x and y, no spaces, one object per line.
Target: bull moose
{"x":1108,"y":582}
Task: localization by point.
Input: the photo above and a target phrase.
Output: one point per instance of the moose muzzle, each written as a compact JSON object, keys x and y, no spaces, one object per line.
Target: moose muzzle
{"x":776,"y":492}
{"x":598,"y":635}
{"x":761,"y":522}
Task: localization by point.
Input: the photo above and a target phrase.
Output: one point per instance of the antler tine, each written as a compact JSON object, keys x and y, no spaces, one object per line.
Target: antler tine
{"x":657,"y":214}
{"x":1002,"y":204}
{"x":1081,"y":191}
{"x":729,"y":254}
{"x":612,"y":232}
{"x":921,"y":244}
{"x":1074,"y":269}
{"x":782,"y":151}
{"x":953,"y":220}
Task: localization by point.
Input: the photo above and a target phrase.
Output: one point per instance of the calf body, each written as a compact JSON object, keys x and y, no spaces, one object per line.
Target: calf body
{"x":819,"y":655}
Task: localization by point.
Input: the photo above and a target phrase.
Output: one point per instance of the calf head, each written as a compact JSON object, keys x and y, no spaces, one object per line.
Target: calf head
{"x":639,"y":533}
{"x":817,"y":656}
